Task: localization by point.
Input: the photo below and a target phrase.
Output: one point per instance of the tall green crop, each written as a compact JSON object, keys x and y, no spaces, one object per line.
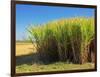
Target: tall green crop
{"x":63,"y":40}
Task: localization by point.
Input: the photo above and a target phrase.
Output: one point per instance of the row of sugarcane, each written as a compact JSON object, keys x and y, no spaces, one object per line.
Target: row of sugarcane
{"x":63,"y":40}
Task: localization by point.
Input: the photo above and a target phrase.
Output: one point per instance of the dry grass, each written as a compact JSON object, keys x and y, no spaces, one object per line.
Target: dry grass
{"x":58,"y":66}
{"x":24,"y":49}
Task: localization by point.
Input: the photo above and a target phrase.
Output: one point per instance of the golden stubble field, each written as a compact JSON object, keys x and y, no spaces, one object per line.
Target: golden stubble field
{"x":24,"y":49}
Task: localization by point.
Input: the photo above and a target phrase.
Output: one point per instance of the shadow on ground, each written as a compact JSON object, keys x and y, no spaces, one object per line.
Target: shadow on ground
{"x":30,"y":59}
{"x":26,"y":59}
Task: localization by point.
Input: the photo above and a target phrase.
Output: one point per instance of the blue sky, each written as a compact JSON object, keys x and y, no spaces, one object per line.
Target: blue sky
{"x":37,"y":14}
